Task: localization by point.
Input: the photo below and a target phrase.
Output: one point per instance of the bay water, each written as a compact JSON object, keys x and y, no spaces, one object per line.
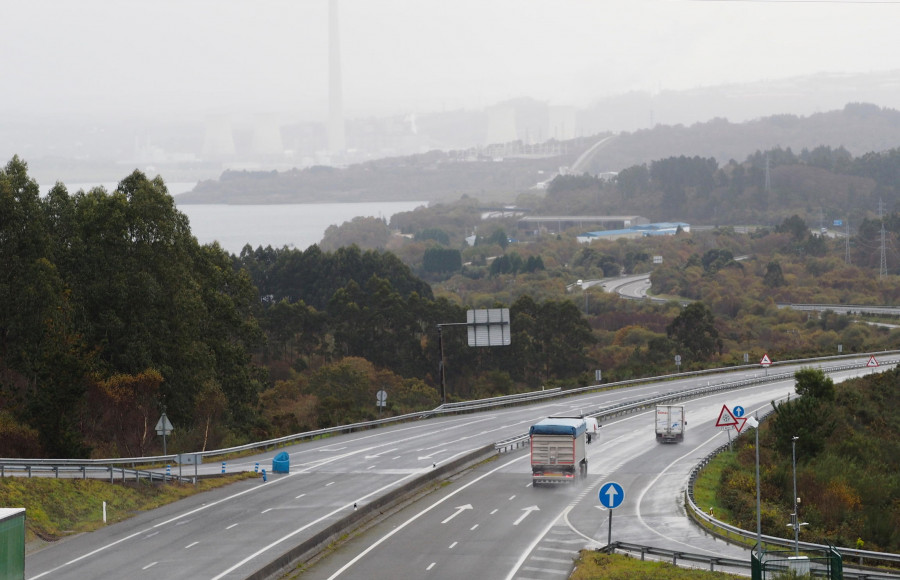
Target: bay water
{"x":292,"y":225}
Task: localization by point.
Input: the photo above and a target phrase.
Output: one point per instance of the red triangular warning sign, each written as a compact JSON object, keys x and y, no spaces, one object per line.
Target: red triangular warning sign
{"x":766,"y":361}
{"x":872,"y":362}
{"x":726,"y":419}
{"x":741,"y":421}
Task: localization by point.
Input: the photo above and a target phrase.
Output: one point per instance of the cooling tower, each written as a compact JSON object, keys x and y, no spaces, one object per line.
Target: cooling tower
{"x":219,"y":140}
{"x":562,"y":123}
{"x":501,"y":125}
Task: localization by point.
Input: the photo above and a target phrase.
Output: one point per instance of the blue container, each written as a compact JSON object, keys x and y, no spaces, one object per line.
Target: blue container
{"x":281,"y":463}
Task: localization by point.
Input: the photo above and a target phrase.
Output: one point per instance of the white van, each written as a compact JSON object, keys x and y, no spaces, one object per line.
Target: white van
{"x":592,"y":427}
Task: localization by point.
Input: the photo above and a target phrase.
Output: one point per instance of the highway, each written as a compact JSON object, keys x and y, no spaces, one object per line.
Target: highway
{"x":230,"y":533}
{"x":632,"y":287}
{"x":493,"y":524}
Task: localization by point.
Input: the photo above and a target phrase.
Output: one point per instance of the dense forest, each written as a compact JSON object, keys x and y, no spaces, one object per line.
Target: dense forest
{"x":113,"y":313}
{"x":820,"y":185}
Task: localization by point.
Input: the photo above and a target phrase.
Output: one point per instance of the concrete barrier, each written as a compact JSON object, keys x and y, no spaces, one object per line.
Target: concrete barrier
{"x":311,"y":547}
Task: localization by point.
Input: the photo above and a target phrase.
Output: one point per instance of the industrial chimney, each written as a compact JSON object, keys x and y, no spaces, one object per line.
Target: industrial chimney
{"x":336,"y":139}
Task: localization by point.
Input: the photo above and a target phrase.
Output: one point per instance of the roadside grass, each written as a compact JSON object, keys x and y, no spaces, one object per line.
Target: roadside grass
{"x":56,"y":508}
{"x":595,"y":565}
{"x":706,"y":486}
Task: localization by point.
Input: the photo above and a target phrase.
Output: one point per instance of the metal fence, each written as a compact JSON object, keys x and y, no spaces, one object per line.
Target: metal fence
{"x":688,"y":559}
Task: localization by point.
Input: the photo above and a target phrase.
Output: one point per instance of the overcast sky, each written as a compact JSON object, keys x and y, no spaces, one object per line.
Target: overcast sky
{"x":194,"y":58}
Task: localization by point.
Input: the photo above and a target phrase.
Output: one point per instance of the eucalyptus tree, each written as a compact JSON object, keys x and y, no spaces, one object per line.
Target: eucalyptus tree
{"x":43,"y":362}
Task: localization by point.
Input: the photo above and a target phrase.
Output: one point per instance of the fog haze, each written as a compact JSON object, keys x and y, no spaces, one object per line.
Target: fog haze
{"x":186,"y":61}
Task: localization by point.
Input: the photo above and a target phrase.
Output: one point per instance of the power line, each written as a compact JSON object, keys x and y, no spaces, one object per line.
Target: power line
{"x":847,"y":240}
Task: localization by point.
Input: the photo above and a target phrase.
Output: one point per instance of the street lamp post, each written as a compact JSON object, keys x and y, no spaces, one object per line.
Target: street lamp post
{"x":755,"y":424}
{"x":795,"y":518}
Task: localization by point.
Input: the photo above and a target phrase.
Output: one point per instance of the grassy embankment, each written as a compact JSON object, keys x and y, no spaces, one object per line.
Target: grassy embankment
{"x":594,"y":566}
{"x":56,"y":508}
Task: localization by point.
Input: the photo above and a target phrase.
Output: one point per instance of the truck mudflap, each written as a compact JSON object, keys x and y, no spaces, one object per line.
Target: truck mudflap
{"x":669,"y":438}
{"x":552,"y":478}
{"x":554,"y":475}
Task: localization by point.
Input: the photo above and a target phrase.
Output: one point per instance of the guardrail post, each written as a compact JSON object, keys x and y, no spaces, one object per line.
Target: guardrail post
{"x":28,"y":469}
{"x":56,"y":471}
{"x":83,"y":472}
{"x":111,"y":474}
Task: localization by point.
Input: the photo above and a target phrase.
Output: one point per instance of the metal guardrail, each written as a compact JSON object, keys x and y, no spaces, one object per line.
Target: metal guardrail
{"x":512,"y":443}
{"x":674,"y":556}
{"x":844,"y":308}
{"x":502,"y":399}
{"x":446,"y":409}
{"x":860,"y":555}
{"x":115,"y":473}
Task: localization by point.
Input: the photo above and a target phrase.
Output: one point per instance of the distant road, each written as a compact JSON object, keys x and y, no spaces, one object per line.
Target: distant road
{"x":578,"y":167}
{"x":846,"y":308}
{"x":632,"y":287}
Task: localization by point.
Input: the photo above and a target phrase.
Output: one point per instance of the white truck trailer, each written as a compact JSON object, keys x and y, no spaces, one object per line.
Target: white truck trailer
{"x":558,"y":450}
{"x":669,"y":423}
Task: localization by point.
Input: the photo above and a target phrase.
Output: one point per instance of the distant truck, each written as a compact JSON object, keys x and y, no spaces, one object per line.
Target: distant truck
{"x":670,"y":423}
{"x":558,"y":450}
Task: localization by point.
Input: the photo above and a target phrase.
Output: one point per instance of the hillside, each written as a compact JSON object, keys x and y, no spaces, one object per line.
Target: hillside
{"x":847,"y":462}
{"x":858,"y":128}
{"x":502,"y":171}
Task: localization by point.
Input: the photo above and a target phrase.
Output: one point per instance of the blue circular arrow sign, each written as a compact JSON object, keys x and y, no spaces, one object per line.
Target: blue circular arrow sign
{"x":738,"y":411}
{"x":611,"y":495}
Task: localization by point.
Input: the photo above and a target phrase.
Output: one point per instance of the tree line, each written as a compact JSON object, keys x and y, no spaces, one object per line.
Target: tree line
{"x":113,"y":313}
{"x":822,"y":183}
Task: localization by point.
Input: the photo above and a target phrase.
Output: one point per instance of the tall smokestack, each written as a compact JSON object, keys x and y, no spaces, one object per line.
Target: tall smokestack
{"x":336,"y":138}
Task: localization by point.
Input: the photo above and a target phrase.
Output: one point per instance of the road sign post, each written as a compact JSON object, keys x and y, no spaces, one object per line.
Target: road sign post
{"x":164,"y":427}
{"x":485,"y":328}
{"x":765,"y":362}
{"x":611,"y":496}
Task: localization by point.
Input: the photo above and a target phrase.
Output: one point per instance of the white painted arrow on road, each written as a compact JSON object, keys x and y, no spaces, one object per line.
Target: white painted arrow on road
{"x":459,"y":510}
{"x":380,"y":454}
{"x":527,"y":511}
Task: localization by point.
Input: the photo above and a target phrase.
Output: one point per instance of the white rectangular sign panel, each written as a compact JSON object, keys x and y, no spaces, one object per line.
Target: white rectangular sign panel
{"x":488,"y":327}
